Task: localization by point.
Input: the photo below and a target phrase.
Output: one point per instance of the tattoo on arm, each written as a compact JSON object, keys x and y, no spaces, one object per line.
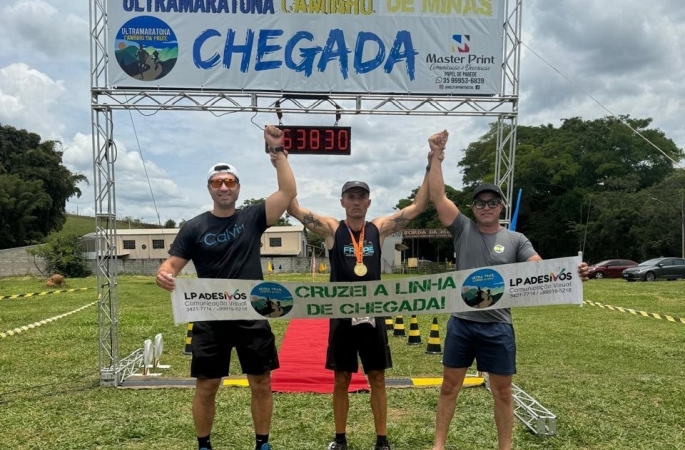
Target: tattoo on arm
{"x":400,"y":222}
{"x":309,"y":219}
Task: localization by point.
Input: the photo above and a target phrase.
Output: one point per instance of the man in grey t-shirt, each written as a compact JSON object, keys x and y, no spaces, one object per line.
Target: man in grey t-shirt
{"x":484,"y":336}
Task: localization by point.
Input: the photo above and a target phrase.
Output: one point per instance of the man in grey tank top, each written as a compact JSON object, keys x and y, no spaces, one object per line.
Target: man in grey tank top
{"x":485,"y":336}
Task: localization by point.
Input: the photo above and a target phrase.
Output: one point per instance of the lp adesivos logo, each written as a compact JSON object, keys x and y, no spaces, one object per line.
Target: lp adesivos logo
{"x":462,"y":41}
{"x":237,"y":295}
{"x":552,"y":277}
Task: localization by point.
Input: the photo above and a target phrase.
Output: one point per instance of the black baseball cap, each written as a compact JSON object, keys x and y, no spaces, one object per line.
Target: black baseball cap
{"x":487,"y":187}
{"x":355,"y":184}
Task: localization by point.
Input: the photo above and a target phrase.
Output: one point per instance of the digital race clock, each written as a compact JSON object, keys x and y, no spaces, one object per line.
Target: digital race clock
{"x":316,"y":140}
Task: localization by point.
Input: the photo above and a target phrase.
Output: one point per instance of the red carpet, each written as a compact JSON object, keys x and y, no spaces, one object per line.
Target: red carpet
{"x":303,"y":358}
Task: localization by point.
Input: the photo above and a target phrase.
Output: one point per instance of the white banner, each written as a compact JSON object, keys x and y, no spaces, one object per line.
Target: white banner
{"x":547,"y":282}
{"x":446,"y":47}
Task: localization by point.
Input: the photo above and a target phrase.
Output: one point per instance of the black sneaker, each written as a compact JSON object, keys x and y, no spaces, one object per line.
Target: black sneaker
{"x":337,"y":446}
{"x":384,"y":446}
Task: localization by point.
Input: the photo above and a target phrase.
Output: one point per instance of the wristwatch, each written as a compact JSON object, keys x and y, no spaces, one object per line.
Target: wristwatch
{"x":274,"y":149}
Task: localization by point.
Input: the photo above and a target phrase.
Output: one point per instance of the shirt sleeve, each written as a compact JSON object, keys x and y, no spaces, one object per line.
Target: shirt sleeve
{"x":257,"y":215}
{"x":182,"y":245}
{"x":525,"y":249}
{"x":457,"y":227}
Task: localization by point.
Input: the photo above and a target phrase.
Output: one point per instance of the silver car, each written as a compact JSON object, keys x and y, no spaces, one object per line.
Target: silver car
{"x":650,"y":270}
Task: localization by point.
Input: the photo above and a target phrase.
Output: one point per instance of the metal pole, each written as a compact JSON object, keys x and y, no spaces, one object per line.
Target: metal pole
{"x":682,"y":226}
{"x":587,"y":222}
{"x":589,"y":207}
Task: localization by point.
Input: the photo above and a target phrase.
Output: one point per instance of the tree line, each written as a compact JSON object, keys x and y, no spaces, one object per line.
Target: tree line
{"x":587,"y":184}
{"x":34,"y":187}
{"x":592,"y":184}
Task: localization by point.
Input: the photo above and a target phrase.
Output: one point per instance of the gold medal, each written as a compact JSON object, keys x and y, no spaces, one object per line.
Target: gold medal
{"x":359,"y":269}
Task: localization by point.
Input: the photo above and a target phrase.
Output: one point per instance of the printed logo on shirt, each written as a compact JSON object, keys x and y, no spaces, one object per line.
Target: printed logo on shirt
{"x":498,"y":248}
{"x":211,"y":239}
{"x":367,"y":250}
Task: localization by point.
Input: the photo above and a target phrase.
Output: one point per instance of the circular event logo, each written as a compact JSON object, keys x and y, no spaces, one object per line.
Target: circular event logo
{"x":483,"y":288}
{"x":146,"y":48}
{"x":271,"y":300}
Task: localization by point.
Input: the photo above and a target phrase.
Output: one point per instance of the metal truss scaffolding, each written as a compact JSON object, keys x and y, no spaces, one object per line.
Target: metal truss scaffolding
{"x":105,"y":99}
{"x":536,"y":417}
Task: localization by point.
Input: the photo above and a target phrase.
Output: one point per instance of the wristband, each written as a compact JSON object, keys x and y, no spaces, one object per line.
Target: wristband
{"x":428,"y":168}
{"x":274,"y":149}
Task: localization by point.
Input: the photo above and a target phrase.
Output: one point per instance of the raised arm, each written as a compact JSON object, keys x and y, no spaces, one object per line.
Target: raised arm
{"x":322,"y":225}
{"x":278,"y":202}
{"x":400,"y":220}
{"x":447,"y":210}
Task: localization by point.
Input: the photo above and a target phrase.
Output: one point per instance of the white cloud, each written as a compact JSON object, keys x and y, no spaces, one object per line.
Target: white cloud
{"x":629,"y":58}
{"x":27,"y":99}
{"x":137,"y":188}
{"x":47,"y":28}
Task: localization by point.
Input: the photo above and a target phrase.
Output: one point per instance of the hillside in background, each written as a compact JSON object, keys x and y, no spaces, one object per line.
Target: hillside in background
{"x":82,"y":225}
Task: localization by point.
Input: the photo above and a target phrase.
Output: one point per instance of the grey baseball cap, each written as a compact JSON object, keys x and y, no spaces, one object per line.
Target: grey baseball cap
{"x":355,"y":184}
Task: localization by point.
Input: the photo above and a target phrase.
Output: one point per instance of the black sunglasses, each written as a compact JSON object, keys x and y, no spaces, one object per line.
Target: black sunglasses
{"x":492,"y":203}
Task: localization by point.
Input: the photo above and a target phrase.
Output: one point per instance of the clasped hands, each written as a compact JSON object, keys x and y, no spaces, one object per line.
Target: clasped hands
{"x":437,"y":144}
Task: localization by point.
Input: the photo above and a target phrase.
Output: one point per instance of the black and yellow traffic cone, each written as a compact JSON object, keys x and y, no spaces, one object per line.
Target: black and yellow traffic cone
{"x":414,"y":333}
{"x":188,"y":350}
{"x":433,"y":347}
{"x":388,"y":323}
{"x":398,"y":328}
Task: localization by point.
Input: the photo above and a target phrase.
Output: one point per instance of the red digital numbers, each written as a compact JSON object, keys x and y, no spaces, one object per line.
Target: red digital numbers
{"x":315,"y":140}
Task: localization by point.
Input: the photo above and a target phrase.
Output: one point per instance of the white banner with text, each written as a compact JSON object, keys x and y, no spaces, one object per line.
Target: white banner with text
{"x":537,"y":283}
{"x":317,"y":46}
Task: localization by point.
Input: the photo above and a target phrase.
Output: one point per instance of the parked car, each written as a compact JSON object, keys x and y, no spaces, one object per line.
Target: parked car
{"x":668,"y":268}
{"x":611,"y":268}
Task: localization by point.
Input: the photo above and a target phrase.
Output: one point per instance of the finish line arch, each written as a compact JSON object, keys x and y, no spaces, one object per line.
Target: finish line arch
{"x":119,"y":81}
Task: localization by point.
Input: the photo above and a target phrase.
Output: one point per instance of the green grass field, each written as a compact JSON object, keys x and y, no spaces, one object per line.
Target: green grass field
{"x":615,"y":380}
{"x":82,"y":225}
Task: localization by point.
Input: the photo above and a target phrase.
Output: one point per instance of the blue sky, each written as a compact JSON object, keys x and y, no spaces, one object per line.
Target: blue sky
{"x":629,"y":58}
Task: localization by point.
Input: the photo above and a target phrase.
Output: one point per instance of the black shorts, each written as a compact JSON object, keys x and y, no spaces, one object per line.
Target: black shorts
{"x":345,"y":342}
{"x":213,"y":341}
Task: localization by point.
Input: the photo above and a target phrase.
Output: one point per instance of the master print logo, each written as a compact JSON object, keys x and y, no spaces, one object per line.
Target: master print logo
{"x":462,"y":41}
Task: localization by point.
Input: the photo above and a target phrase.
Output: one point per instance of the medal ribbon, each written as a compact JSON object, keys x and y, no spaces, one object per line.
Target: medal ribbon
{"x":358,"y":246}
